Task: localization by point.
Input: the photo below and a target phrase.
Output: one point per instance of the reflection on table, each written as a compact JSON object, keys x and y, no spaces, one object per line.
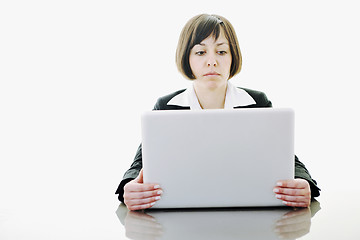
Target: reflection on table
{"x":219,"y":223}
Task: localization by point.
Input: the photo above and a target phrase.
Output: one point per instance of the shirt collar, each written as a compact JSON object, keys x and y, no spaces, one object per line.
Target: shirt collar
{"x":235,"y":97}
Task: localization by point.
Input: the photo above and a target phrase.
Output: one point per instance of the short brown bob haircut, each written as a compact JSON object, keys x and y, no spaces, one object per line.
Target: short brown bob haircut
{"x":199,"y":28}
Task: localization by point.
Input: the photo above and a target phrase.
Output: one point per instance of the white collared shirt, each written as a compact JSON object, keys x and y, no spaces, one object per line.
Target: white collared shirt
{"x":235,"y":97}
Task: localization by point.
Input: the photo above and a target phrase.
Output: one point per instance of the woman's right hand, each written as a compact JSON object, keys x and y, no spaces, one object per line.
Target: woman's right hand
{"x":138,"y":195}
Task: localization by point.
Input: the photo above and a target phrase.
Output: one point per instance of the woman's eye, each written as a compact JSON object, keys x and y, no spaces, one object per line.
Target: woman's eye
{"x":200,"y":53}
{"x":222,"y":52}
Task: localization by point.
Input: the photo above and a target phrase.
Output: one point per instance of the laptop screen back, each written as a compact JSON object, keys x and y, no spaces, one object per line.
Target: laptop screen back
{"x":218,"y":158}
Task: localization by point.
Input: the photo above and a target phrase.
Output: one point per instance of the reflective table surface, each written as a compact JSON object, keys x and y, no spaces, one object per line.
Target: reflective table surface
{"x":336,"y":218}
{"x":226,"y":223}
{"x":74,"y":217}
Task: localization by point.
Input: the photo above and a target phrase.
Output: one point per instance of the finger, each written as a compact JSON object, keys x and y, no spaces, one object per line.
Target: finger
{"x":291,"y":191}
{"x":143,"y":201}
{"x":140,"y":217}
{"x":301,"y":218}
{"x":297,"y":214}
{"x":132,"y":199}
{"x":293,"y":227}
{"x":140,"y":178}
{"x":142,"y":195}
{"x":140,"y":187}
{"x":292,"y":183}
{"x":296,"y":204}
{"x":140,"y":207}
{"x":289,"y":198}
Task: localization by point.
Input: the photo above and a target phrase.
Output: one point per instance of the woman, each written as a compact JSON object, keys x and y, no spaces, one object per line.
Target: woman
{"x":208,"y":54}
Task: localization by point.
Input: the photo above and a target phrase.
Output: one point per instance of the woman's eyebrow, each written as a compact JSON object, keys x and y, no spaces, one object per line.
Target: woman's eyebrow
{"x":217,"y":44}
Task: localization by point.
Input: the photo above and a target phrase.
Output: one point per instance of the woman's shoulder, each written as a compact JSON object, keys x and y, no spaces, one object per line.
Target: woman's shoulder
{"x":162,"y":102}
{"x":259,"y":97}
{"x":253,"y":93}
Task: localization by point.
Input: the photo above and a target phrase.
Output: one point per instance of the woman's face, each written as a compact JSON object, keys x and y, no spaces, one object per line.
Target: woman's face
{"x":210,"y":61}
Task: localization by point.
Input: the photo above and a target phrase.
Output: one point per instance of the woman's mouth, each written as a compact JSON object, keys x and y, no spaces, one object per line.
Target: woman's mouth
{"x":209,"y":74}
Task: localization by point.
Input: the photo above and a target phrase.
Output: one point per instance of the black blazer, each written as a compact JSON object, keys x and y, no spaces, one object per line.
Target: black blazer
{"x":161,"y":104}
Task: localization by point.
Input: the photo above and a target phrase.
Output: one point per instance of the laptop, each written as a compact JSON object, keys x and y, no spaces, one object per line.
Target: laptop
{"x":218,"y":158}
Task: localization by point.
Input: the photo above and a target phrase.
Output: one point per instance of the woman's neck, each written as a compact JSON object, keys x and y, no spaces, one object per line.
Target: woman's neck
{"x":210,"y":97}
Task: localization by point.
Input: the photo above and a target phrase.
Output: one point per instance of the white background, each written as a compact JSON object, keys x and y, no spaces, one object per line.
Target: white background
{"x":76,"y":75}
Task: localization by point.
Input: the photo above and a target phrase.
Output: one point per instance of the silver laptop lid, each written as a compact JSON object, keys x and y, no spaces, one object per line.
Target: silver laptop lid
{"x":218,"y":158}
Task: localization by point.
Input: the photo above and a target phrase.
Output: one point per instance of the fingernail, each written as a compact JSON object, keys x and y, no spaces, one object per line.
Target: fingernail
{"x":276,"y":190}
{"x":157,"y":198}
{"x":159,"y":192}
{"x":152,"y":204}
{"x":278,"y":196}
{"x":279,"y":184}
{"x":156,"y":186}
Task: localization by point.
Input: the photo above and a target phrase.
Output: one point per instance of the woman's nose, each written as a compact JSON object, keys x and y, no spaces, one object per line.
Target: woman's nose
{"x":211,"y":61}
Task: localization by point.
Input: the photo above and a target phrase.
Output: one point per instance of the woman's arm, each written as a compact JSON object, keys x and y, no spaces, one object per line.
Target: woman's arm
{"x":131,"y":173}
{"x":303,"y":173}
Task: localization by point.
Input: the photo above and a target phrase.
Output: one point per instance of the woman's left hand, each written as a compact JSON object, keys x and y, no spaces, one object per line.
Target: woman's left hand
{"x":293,"y":192}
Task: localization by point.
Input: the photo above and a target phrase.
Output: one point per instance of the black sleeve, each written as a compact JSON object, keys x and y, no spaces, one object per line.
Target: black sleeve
{"x":131,"y":173}
{"x":302,"y":172}
{"x":264,"y":101}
